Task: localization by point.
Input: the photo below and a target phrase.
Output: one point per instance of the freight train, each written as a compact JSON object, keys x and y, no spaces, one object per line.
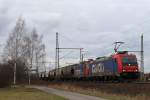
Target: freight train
{"x":119,"y":66}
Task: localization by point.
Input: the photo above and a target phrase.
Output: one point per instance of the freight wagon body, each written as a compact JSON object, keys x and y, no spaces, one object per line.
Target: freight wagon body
{"x":52,"y":74}
{"x":86,"y":69}
{"x":68,"y":71}
{"x":78,"y":71}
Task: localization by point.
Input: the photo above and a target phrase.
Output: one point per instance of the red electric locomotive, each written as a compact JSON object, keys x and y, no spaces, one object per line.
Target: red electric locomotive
{"x":127,"y":65}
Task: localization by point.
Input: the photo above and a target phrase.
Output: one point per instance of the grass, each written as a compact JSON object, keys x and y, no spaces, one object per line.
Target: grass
{"x":108,"y":91}
{"x":26,"y":94}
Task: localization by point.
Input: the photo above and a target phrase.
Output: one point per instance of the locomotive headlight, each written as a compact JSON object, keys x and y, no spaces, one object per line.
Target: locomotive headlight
{"x":124,"y":70}
{"x":136,"y":70}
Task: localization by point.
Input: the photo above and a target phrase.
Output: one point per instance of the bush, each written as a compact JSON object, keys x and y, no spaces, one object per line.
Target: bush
{"x":21,"y":73}
{"x":6,"y":75}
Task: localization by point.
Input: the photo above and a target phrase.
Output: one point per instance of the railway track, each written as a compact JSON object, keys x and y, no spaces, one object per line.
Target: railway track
{"x":132,"y":88}
{"x":142,"y":82}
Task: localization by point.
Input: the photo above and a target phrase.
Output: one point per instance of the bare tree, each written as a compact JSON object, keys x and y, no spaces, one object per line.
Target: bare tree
{"x":25,"y":47}
{"x":38,"y":50}
{"x":13,"y":48}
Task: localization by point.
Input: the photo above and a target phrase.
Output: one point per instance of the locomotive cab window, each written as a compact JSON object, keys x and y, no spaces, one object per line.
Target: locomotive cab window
{"x":128,"y":61}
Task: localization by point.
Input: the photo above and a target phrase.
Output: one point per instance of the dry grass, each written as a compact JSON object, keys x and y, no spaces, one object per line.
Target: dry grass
{"x":109,"y":91}
{"x":26,"y":94}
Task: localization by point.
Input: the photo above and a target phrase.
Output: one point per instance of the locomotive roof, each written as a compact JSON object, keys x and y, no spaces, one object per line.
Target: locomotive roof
{"x":103,"y":58}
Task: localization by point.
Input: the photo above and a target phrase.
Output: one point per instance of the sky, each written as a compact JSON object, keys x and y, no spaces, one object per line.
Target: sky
{"x":90,"y":24}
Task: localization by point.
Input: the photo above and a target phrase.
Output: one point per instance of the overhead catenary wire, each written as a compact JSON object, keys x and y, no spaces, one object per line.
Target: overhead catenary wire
{"x":76,"y":42}
{"x":66,"y":55}
{"x":66,"y":48}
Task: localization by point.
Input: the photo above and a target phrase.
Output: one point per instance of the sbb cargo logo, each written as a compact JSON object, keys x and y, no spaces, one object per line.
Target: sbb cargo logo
{"x":96,"y":68}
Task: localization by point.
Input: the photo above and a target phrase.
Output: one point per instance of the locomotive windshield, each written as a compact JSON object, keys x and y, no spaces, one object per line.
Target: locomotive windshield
{"x":129,"y":61}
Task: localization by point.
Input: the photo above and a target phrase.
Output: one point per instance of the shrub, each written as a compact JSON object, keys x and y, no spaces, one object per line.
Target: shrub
{"x":6,"y":75}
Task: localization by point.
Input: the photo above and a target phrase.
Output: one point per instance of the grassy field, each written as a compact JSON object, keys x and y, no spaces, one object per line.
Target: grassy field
{"x":26,"y":94}
{"x":110,"y":91}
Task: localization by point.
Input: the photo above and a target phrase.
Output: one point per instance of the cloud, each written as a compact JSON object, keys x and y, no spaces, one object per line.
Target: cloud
{"x":91,"y":24}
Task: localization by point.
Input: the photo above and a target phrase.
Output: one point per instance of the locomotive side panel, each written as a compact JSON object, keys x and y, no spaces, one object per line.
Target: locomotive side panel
{"x":106,"y":67}
{"x":110,"y":67}
{"x":97,"y":69}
